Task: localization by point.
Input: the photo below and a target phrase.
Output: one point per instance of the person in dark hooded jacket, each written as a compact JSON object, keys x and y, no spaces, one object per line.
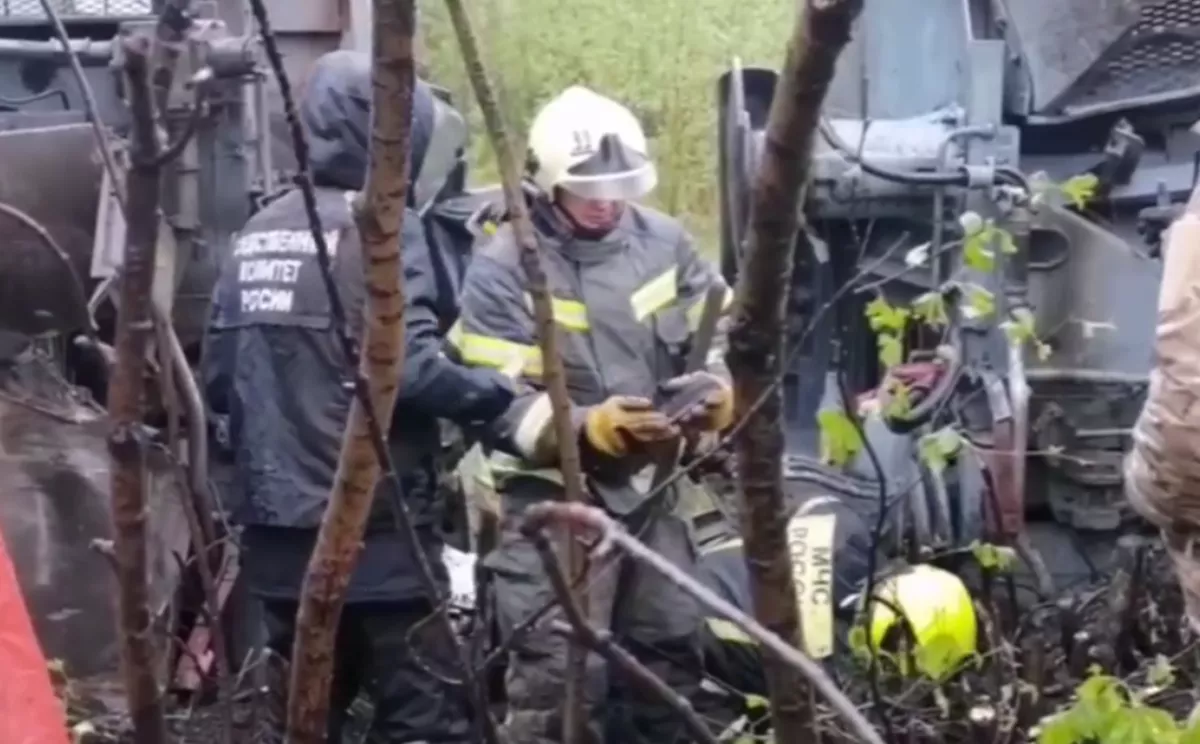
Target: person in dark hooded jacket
{"x":273,"y":366}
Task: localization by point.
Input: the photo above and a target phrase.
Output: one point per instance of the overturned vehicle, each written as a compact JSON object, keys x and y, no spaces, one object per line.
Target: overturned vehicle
{"x":1045,"y":436}
{"x":1039,"y":358}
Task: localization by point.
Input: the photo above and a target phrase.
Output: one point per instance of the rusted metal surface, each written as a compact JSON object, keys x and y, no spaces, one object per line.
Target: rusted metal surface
{"x":54,"y":465}
{"x":51,"y":174}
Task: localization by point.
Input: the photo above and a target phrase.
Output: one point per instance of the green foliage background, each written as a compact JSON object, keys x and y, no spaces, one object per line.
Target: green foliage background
{"x":659,"y":57}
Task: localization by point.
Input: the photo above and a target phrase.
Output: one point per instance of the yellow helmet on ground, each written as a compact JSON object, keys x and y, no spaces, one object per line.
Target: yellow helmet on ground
{"x":937,"y":609}
{"x":591,"y":146}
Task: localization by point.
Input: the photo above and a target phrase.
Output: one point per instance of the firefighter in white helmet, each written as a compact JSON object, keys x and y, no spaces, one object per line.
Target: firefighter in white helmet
{"x":627,"y":288}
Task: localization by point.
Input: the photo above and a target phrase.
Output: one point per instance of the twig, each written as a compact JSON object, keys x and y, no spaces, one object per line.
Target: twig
{"x":578,"y":629}
{"x":873,"y":555}
{"x":404,"y":523}
{"x":553,"y":376}
{"x":126,"y":392}
{"x":756,"y":339}
{"x":593,"y":520}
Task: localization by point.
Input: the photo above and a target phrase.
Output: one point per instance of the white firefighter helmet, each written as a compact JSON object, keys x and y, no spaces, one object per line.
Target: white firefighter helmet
{"x":591,"y":146}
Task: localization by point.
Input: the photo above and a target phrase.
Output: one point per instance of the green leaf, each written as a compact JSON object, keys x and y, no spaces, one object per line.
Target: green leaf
{"x":978,"y":253}
{"x":1100,"y":702}
{"x":857,"y":640}
{"x":993,"y":557}
{"x":1161,"y":673}
{"x":981,"y":303}
{"x":899,"y":400}
{"x":840,"y":440}
{"x":971,"y":222}
{"x":1081,"y":189}
{"x":891,"y":349}
{"x":1060,"y":728}
{"x":937,"y":448}
{"x":930,"y":309}
{"x":886,"y":318}
{"x":1142,"y":725}
{"x":1008,"y":246}
{"x":1191,"y":734}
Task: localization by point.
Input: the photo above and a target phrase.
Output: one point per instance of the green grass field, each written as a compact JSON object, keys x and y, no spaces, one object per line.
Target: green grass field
{"x":659,"y":57}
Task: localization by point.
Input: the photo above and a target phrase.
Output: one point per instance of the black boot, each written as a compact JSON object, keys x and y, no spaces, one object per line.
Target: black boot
{"x":273,"y":699}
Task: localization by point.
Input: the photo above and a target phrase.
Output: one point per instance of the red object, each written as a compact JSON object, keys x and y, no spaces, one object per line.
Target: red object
{"x":30,"y":712}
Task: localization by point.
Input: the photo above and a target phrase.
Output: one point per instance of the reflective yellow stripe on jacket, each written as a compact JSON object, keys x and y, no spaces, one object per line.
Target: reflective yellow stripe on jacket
{"x":655,"y":294}
{"x":488,"y":351}
{"x":570,"y":314}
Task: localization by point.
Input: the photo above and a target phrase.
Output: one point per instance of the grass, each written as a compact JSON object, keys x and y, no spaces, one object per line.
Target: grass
{"x":661,"y":58}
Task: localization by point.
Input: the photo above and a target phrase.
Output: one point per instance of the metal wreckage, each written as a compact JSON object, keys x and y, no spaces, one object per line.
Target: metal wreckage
{"x":911,"y":142}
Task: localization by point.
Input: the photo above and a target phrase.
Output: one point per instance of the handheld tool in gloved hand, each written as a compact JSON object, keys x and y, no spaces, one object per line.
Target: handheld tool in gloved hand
{"x":624,"y":424}
{"x":680,"y":397}
{"x":699,"y":400}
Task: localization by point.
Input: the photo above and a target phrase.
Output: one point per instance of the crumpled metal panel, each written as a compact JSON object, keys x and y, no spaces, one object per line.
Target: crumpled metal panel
{"x":1062,"y":40}
{"x":54,"y":465}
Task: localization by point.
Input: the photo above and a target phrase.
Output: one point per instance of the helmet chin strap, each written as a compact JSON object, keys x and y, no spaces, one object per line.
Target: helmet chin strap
{"x":583,"y":232}
{"x":546,"y":210}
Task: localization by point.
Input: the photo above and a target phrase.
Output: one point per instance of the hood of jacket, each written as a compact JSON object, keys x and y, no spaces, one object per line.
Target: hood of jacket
{"x":336,"y":114}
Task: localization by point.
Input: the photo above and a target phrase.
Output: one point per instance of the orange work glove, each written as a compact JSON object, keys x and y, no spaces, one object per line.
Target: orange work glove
{"x":623,"y":424}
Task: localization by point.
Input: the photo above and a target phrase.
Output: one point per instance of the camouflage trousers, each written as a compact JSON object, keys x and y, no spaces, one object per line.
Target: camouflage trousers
{"x":647,"y":614}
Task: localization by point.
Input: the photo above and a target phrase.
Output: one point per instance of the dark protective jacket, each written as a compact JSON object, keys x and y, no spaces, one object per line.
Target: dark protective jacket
{"x":273,"y":363}
{"x":829,"y":542}
{"x":628,"y":305}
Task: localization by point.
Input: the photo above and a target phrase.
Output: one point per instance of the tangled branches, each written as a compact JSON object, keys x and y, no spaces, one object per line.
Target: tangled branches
{"x":611,"y":534}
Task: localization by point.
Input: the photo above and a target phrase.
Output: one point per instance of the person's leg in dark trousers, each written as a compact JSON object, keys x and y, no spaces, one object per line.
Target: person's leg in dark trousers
{"x":349,"y":655}
{"x":406,"y":651}
{"x":535,"y":680}
{"x":660,"y":624}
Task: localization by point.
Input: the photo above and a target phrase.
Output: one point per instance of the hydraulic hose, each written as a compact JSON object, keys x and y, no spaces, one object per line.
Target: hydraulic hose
{"x":960,"y":177}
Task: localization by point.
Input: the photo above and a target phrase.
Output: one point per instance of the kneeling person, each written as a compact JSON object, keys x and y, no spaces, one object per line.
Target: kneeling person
{"x":830,"y":544}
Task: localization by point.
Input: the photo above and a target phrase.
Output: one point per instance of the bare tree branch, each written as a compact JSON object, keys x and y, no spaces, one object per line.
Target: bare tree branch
{"x":126,"y":395}
{"x":593,"y":521}
{"x":379,"y":214}
{"x":404,"y":523}
{"x":756,"y":339}
{"x":578,"y":629}
{"x":547,"y":332}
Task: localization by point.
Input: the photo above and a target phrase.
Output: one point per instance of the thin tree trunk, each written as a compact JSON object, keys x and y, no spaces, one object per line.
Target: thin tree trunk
{"x":822,"y":29}
{"x":548,"y":339}
{"x":126,"y":396}
{"x":379,"y":216}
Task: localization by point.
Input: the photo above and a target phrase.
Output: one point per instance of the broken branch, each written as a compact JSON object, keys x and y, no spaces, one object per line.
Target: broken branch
{"x":578,"y":629}
{"x":579,"y":517}
{"x":547,"y":333}
{"x":756,"y":339}
{"x":379,"y":214}
{"x":126,"y":397}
